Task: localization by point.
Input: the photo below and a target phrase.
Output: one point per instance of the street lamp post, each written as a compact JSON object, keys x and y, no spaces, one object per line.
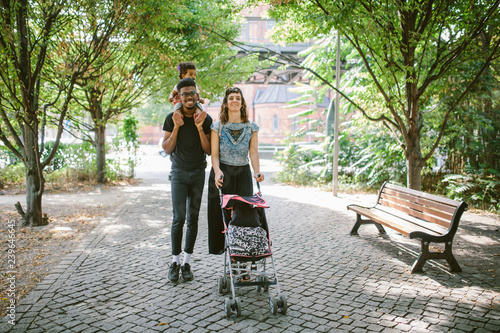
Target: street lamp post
{"x":335,"y":180}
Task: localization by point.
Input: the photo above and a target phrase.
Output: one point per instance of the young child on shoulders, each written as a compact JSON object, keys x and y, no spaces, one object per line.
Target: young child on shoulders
{"x":186,"y":69}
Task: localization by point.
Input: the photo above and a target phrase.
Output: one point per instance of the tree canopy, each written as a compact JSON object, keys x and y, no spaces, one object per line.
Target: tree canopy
{"x":408,"y":56}
{"x":60,"y":58}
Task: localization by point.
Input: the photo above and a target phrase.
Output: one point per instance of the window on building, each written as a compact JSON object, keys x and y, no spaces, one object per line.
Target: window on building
{"x":295,"y":124}
{"x":276,"y":123}
{"x":269,"y":24}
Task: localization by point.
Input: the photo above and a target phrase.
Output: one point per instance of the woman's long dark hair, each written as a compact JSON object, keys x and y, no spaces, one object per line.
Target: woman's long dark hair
{"x":224,"y":116}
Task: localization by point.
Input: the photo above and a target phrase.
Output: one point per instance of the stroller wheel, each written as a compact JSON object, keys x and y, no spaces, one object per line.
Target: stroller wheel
{"x":273,"y":305}
{"x":257,"y":287}
{"x":227,"y":307}
{"x":237,"y":305}
{"x":266,"y":287}
{"x":282,"y":306}
{"x":220,"y":285}
{"x":223,"y":285}
{"x":227,"y":284}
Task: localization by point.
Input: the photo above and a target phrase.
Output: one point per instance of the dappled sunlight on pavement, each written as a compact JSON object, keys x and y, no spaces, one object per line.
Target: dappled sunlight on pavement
{"x":116,"y":280}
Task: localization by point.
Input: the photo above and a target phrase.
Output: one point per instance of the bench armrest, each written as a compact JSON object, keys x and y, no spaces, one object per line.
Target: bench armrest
{"x":356,"y":205}
{"x":430,"y":238}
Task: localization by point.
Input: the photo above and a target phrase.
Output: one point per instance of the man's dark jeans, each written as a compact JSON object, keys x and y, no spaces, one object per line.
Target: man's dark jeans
{"x":187,"y":190}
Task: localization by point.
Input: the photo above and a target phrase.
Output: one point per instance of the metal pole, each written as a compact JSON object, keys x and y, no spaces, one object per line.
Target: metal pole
{"x":336,"y":123}
{"x":328,"y":116}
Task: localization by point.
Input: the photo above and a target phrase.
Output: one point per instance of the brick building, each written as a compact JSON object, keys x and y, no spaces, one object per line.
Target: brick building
{"x":265,"y":104}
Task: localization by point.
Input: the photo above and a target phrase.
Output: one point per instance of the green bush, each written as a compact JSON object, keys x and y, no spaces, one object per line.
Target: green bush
{"x":478,"y":188}
{"x":367,"y":158}
{"x":75,"y":155}
{"x":72,"y":164}
{"x":7,"y":157}
{"x":116,"y":169}
{"x":12,"y":175}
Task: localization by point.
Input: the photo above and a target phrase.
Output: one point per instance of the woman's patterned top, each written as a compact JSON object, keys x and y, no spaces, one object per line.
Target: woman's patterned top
{"x":234,"y":142}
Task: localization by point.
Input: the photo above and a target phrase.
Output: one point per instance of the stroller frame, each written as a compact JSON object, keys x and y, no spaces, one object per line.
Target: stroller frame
{"x":247,"y":271}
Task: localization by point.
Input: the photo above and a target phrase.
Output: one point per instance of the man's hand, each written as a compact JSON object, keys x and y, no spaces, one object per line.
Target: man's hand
{"x":178,"y":118}
{"x":199,"y":118}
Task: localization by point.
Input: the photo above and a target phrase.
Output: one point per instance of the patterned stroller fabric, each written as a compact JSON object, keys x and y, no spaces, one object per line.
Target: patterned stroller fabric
{"x":247,"y":232}
{"x":247,"y":241}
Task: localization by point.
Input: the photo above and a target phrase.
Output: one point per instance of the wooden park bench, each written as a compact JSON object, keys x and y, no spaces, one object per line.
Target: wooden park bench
{"x":418,"y":215}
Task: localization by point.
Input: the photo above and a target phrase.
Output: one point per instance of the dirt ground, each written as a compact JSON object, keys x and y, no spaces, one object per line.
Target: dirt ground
{"x":38,"y":250}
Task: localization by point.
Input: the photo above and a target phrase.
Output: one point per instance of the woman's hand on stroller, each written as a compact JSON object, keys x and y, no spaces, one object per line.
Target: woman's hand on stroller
{"x":219,"y":179}
{"x":259,"y":177}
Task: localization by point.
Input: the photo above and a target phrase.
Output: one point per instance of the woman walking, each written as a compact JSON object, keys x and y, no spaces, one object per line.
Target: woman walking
{"x":234,"y":140}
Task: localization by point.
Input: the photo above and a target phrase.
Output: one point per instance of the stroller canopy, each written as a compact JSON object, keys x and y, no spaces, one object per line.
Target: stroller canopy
{"x":229,"y":200}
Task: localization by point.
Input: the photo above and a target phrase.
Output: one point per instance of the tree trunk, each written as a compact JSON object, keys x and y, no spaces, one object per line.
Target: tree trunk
{"x":414,"y":160}
{"x":34,"y":179}
{"x":34,"y":214}
{"x":100,"y":142}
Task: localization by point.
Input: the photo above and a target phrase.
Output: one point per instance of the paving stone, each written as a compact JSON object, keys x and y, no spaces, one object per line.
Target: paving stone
{"x":403,"y":327}
{"x":57,"y":329}
{"x":494,"y":327}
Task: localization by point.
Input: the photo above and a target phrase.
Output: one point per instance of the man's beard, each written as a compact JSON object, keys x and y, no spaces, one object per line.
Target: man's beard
{"x":190,"y":108}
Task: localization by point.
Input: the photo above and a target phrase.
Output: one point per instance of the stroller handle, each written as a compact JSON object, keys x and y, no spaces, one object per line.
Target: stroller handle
{"x":220,"y":188}
{"x":258,"y":184}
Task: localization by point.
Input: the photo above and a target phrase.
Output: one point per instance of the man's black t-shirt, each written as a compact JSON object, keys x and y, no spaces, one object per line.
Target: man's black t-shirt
{"x":188,"y":154}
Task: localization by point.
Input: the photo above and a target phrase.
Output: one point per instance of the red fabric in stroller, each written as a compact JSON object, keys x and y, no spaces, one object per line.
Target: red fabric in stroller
{"x":247,"y":233}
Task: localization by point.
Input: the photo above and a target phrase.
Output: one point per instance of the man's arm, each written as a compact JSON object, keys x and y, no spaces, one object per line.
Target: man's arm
{"x":170,"y":140}
{"x":204,"y":138}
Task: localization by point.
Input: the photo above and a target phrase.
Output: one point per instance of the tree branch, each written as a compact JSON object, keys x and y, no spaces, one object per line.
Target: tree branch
{"x":459,"y":99}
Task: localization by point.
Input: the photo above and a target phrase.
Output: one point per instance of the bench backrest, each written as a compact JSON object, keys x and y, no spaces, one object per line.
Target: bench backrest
{"x":428,"y":207}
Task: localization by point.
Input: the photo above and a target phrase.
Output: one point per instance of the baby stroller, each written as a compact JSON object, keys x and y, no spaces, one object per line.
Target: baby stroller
{"x":247,"y":247}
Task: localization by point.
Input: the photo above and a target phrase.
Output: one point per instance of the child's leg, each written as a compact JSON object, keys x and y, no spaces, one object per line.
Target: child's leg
{"x":177,"y":106}
{"x":177,"y":116}
{"x":199,"y":108}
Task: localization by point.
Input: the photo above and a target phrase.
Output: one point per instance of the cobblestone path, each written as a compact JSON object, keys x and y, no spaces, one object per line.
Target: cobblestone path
{"x":116,"y":279}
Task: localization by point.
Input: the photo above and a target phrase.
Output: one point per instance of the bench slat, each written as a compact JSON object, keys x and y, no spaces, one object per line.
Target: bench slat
{"x":368,"y":213}
{"x":403,"y":226}
{"x":432,"y":197}
{"x":423,"y":201}
{"x":414,"y":221}
{"x":415,"y":210}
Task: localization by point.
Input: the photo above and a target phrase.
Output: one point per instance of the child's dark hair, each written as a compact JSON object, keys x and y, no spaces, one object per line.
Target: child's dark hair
{"x":183,"y":68}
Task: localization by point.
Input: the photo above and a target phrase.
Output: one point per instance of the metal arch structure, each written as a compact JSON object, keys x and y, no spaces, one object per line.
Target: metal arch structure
{"x":274,"y":75}
{"x":277,"y":76}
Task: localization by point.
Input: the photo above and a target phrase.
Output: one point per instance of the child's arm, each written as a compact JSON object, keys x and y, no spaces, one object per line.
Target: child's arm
{"x":174,"y":97}
{"x":201,"y":100}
